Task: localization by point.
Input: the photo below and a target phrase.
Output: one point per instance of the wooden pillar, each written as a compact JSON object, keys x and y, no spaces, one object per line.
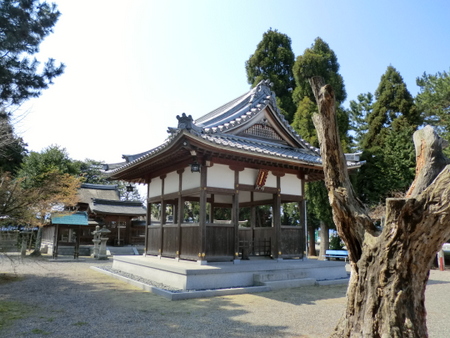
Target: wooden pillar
{"x":149,"y":218}
{"x":179,"y":212}
{"x":253,"y":221}
{"x":277,"y":219}
{"x":163,"y":217}
{"x":211,"y":209}
{"x":235,"y":214}
{"x":202,"y":215}
{"x":303,"y":216}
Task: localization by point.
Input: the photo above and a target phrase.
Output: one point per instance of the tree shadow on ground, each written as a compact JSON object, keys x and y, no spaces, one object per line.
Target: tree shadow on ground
{"x":85,"y":302}
{"x":307,"y":295}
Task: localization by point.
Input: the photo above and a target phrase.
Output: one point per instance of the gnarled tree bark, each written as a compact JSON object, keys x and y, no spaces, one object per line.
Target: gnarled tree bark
{"x":389,"y":265}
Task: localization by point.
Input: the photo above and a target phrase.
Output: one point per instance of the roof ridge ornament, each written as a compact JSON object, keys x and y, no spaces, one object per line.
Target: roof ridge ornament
{"x":187,"y":122}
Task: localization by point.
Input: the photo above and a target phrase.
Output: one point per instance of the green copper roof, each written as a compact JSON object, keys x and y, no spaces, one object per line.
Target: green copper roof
{"x":78,"y":218}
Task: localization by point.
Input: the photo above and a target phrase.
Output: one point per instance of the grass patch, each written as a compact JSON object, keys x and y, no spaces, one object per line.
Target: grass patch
{"x":39,"y":331}
{"x":11,"y":311}
{"x":80,"y":324}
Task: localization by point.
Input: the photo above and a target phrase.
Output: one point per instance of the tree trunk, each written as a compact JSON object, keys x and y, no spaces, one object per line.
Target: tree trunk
{"x":389,"y":265}
{"x":324,"y":239}
{"x":37,"y":247}
{"x":311,"y":240}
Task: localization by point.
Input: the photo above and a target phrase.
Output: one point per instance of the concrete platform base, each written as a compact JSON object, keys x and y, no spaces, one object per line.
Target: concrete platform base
{"x":271,"y":274}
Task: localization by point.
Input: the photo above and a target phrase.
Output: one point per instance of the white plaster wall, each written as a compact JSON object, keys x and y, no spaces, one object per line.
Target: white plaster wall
{"x":223,"y":198}
{"x":155,"y":187}
{"x":190,"y":179}
{"x":220,"y":176}
{"x":291,"y":185}
{"x":259,"y":196}
{"x":248,"y":176}
{"x":271,"y":181}
{"x":244,"y":196}
{"x":171,"y":183}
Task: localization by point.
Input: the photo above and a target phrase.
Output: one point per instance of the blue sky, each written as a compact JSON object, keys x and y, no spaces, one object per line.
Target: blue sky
{"x":133,"y":66}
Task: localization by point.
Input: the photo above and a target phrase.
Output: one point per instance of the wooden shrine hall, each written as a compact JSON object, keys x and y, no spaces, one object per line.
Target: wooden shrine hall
{"x":229,"y":185}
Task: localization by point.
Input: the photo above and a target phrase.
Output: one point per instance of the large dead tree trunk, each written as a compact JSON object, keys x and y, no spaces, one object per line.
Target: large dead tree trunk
{"x":389,"y":265}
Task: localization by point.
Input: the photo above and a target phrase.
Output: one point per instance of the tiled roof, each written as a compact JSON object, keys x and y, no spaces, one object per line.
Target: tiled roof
{"x":263,"y":147}
{"x":78,"y":218}
{"x":98,"y":186}
{"x":217,"y":126}
{"x":242,"y":109}
{"x":130,"y":208}
{"x":89,"y":191}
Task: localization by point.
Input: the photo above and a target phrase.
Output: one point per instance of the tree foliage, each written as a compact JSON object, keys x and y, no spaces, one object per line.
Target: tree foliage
{"x":273,"y":60}
{"x":91,"y":171}
{"x":321,"y":60}
{"x":37,"y":164}
{"x":30,"y":205}
{"x":434,"y":102}
{"x":392,"y":101}
{"x":318,"y":60}
{"x":358,"y":112}
{"x":12,"y":147}
{"x":387,"y":148}
{"x":24,"y":24}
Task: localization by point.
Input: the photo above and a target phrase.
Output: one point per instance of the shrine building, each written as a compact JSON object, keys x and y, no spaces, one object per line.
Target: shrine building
{"x":229,"y":185}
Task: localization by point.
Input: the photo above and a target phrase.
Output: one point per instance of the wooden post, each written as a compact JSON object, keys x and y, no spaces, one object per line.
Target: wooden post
{"x":277,"y":220}
{"x":202,"y":215}
{"x":163,"y":218}
{"x":180,"y":212}
{"x":235,"y":217}
{"x":149,"y":218}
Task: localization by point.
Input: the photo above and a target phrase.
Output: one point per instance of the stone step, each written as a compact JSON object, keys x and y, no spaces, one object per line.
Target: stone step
{"x":261,"y":278}
{"x":340,"y":281}
{"x":121,"y":250}
{"x":292,"y":283}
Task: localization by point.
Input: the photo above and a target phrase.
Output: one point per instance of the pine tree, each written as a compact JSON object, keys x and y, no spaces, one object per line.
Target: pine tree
{"x":23,"y":26}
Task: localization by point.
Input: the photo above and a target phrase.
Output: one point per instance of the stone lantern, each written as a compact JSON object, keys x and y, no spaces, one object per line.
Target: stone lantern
{"x":96,"y":241}
{"x":100,"y":239}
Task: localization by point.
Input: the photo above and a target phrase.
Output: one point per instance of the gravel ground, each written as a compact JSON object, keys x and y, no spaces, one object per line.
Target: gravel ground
{"x":68,"y":299}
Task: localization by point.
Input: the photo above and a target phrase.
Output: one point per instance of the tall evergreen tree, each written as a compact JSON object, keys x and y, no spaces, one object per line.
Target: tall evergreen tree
{"x":273,"y":60}
{"x":358,"y":112}
{"x":387,"y":144}
{"x":12,"y":147}
{"x":23,"y":26}
{"x":434,"y":102}
{"x":319,"y":60}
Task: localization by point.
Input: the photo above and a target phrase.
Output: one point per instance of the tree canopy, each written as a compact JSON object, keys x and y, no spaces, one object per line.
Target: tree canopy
{"x":434,"y":102}
{"x":318,"y":60}
{"x":387,"y":147}
{"x":273,"y":60}
{"x":24,"y":24}
{"x":37,"y":164}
